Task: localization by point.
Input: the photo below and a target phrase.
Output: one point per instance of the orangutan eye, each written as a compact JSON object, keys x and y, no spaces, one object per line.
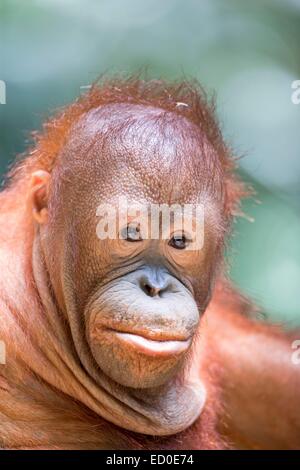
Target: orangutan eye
{"x":131,"y":233}
{"x":179,"y":241}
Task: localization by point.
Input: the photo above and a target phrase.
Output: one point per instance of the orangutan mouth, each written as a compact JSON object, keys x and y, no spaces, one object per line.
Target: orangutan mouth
{"x":152,"y":347}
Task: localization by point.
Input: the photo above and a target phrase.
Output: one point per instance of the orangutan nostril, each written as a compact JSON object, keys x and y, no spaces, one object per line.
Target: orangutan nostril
{"x":151,"y":291}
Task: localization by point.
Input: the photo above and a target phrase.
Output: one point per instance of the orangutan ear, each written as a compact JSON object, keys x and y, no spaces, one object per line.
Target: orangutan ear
{"x":39,"y":188}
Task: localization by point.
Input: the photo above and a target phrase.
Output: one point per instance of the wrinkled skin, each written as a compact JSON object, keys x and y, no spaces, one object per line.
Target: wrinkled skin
{"x":112,"y":296}
{"x":91,"y":297}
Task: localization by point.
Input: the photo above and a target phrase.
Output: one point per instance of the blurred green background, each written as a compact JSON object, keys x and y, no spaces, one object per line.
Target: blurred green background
{"x":248,"y":52}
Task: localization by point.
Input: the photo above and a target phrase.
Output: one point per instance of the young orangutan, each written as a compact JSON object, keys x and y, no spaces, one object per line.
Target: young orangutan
{"x":132,"y":342}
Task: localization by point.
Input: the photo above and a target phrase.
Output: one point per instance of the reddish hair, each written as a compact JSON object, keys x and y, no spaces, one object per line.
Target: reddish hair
{"x":185,"y":98}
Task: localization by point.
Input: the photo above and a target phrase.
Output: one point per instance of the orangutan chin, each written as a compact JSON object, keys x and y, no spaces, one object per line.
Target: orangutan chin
{"x":132,"y":342}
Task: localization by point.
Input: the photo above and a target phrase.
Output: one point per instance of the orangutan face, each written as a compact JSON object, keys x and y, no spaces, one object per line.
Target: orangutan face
{"x":133,"y":302}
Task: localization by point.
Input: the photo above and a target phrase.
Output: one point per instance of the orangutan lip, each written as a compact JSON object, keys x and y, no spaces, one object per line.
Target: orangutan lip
{"x":154,"y":347}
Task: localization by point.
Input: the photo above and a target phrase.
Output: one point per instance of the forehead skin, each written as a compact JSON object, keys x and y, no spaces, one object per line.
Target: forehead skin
{"x":142,"y":152}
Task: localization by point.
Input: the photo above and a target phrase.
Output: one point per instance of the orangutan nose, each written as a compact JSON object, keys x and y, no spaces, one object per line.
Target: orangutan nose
{"x":155,"y":287}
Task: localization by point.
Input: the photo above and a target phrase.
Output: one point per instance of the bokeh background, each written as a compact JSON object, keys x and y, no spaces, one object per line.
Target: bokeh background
{"x":248,"y":52}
